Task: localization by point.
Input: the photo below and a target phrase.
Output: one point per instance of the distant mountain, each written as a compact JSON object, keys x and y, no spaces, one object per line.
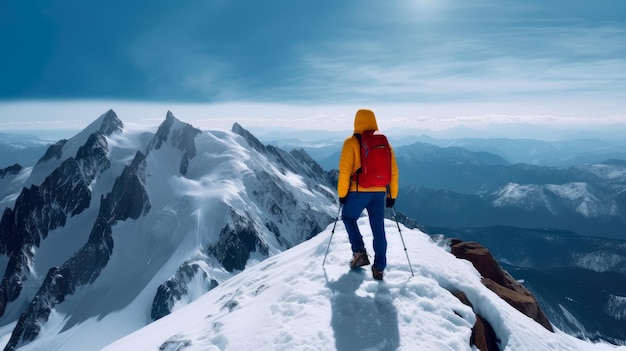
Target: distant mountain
{"x":10,"y":183}
{"x":544,"y":248}
{"x":453,"y":185}
{"x":23,"y":149}
{"x":579,"y":207}
{"x":116,"y":223}
{"x":557,"y":153}
{"x":562,"y":153}
{"x":590,"y":305}
{"x":474,"y":172}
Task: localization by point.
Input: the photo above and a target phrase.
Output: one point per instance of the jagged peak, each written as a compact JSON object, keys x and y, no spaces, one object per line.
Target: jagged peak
{"x":180,"y":133}
{"x":252,"y":140}
{"x":107,"y":124}
{"x":110,"y":123}
{"x":169,"y":122}
{"x":170,"y":116}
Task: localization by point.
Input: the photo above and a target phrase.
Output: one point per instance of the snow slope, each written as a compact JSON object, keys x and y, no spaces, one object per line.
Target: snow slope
{"x":289,"y":302}
{"x":171,"y":217}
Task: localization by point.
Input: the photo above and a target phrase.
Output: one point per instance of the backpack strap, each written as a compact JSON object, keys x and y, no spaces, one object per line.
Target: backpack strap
{"x":358,"y":171}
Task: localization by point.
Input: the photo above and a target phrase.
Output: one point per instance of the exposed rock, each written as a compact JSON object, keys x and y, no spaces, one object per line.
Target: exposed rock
{"x":54,"y":151}
{"x":499,"y":281}
{"x":11,"y":170}
{"x":110,"y":123}
{"x":251,"y":139}
{"x":182,"y":137}
{"x":176,"y":287}
{"x":483,"y":335}
{"x":66,"y":192}
{"x":237,"y":241}
{"x":85,"y":265}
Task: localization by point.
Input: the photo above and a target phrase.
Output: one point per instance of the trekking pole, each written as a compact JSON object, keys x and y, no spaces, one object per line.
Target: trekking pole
{"x":400,"y":231}
{"x":332,"y":232}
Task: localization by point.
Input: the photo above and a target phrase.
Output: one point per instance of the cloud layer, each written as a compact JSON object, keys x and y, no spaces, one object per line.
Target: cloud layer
{"x":513,"y":57}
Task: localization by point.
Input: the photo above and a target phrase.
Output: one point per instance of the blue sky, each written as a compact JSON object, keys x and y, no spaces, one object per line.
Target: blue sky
{"x":419,"y":62}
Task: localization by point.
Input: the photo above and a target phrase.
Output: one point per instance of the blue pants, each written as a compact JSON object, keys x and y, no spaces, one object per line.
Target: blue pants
{"x":374,"y":202}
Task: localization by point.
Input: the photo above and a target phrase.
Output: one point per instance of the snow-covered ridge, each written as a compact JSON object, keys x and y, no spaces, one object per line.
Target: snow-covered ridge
{"x":290,"y":302}
{"x":575,"y":196}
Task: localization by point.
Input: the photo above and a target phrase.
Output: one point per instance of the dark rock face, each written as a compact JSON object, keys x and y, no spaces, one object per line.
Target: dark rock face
{"x":128,"y":199}
{"x":237,"y":241}
{"x":110,"y":123}
{"x":182,"y":137}
{"x":499,"y":281}
{"x":175,"y":288}
{"x":39,"y":209}
{"x":11,"y":170}
{"x":54,"y":151}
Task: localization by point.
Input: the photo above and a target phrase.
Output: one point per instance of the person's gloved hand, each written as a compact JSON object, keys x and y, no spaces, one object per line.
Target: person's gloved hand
{"x":342,"y":200}
{"x":390,"y":202}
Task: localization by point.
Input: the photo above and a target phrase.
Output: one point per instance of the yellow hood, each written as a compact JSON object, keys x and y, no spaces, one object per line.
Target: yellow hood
{"x":364,"y":120}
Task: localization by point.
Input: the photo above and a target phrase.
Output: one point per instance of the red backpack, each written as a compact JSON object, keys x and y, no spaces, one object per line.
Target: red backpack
{"x":375,"y":168}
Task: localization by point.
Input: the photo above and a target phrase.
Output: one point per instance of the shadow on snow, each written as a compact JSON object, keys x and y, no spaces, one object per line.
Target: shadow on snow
{"x":362,"y":322}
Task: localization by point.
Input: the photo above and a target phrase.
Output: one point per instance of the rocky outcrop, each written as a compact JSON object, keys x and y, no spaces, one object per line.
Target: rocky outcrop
{"x":175,"y":288}
{"x":483,"y":335}
{"x":238,"y":239}
{"x":500,"y":282}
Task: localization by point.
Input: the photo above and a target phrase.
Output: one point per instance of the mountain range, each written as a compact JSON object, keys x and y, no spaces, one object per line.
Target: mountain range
{"x":471,"y":187}
{"x":118,"y":228}
{"x":113,"y":215}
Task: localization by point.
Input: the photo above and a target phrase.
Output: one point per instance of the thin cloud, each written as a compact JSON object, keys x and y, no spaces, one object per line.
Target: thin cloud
{"x":437,"y":59}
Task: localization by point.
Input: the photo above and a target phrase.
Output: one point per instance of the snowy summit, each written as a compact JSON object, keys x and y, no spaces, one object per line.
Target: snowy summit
{"x":290,"y":302}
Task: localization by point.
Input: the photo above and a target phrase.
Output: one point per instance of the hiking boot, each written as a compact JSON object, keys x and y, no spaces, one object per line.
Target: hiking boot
{"x":359,"y":259}
{"x":377,"y":273}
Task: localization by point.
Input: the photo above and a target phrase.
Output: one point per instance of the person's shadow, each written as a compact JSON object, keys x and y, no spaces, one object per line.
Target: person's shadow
{"x":361,"y":323}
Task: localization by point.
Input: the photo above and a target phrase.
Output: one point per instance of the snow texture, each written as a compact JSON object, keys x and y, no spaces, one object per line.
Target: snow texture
{"x":290,"y":302}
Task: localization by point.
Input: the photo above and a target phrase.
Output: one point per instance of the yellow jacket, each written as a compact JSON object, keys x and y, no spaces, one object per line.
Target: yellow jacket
{"x":350,"y":159}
